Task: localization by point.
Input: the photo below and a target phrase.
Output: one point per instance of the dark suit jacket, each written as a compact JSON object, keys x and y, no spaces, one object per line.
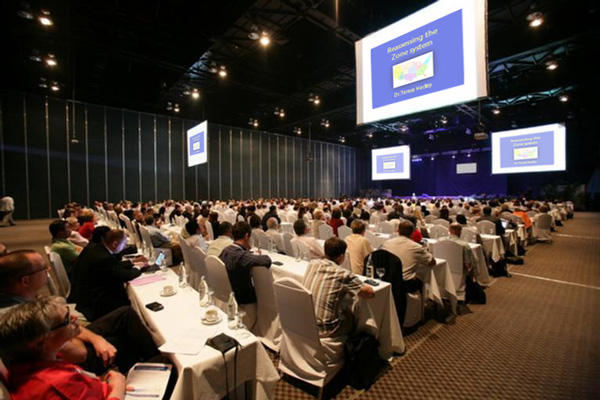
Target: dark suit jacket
{"x":98,"y":284}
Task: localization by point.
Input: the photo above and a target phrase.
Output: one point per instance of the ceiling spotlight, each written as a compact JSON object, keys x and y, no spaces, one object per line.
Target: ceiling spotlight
{"x":45,"y":18}
{"x":369,"y":135}
{"x":444,"y":120}
{"x":54,"y":87}
{"x":222,"y":71}
{"x":25,"y":14}
{"x":169,"y":106}
{"x":253,"y":122}
{"x":212,"y":67}
{"x":496,"y":111}
{"x":317,"y":100}
{"x":253,"y":35}
{"x":311,"y":98}
{"x":43,"y":83}
{"x":431,"y":136}
{"x":195,"y":94}
{"x":342,"y":139}
{"x":264,"y":39}
{"x":176,"y":108}
{"x":453,"y":156}
{"x":74,"y":141}
{"x":404,"y":128}
{"x":551,"y":65}
{"x":325,"y":123}
{"x":563,"y":98}
{"x":432,"y":158}
{"x":51,"y":60}
{"x":297,"y":130}
{"x":282,"y":113}
{"x":535,"y":19}
{"x":35,"y":57}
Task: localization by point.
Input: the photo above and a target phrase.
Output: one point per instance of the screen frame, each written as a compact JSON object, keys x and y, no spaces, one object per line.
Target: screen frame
{"x":201,"y":158}
{"x":405,"y":149}
{"x":476,"y":83}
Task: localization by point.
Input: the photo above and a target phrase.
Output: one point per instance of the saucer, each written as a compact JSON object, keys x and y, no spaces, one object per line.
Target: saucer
{"x":163,"y":294}
{"x":207,"y":322}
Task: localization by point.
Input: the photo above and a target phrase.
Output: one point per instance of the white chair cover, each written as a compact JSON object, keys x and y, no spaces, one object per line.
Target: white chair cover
{"x":430,"y":218}
{"x":303,"y":355}
{"x":346,"y":263}
{"x":209,"y":229}
{"x":268,"y":325}
{"x":261,"y":239}
{"x":192,"y":258}
{"x":453,"y":253}
{"x":344,"y":231}
{"x":62,"y":280}
{"x":438,"y":231}
{"x":541,"y":228}
{"x":218,"y":281}
{"x":372,"y":239}
{"x":287,"y":243}
{"x":325,"y":232}
{"x":469,"y":235}
{"x":300,"y":249}
{"x":134,"y":238}
{"x":387,"y":227}
{"x":442,"y":222}
{"x":486,"y":227}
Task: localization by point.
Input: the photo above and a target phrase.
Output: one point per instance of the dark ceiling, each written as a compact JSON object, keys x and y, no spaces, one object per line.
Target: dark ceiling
{"x":143,"y":54}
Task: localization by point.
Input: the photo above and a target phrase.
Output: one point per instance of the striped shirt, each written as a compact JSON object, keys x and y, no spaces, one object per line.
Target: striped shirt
{"x":334,"y":290}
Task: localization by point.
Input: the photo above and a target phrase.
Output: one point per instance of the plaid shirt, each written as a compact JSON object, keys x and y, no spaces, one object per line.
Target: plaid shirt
{"x":334,"y":291}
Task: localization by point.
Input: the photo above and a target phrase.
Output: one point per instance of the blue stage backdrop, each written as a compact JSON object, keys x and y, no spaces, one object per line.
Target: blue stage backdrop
{"x":439,"y":178}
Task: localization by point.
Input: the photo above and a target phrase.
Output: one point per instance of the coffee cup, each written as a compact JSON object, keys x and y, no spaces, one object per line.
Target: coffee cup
{"x":168,"y":289}
{"x":211,"y":315}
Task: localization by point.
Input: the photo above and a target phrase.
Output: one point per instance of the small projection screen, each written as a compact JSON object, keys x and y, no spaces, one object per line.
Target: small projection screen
{"x":197,"y":148}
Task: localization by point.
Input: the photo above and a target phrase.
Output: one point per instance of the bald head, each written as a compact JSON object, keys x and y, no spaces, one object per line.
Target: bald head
{"x":19,"y":272}
{"x":272,"y":223}
{"x":455,"y":229}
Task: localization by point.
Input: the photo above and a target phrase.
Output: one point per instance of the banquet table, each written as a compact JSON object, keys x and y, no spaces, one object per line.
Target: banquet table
{"x":172,"y":230}
{"x":511,"y":240}
{"x":438,"y":283}
{"x":481,"y":269}
{"x":201,"y":375}
{"x":493,"y":246}
{"x":382,"y":307}
{"x":522,"y":234}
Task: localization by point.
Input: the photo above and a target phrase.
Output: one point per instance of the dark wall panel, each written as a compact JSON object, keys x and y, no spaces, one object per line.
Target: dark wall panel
{"x":163,"y":181}
{"x":37,"y":159}
{"x":132,"y":156}
{"x":236,"y":164}
{"x":191,"y":173}
{"x":148,"y":161}
{"x":178,"y":161}
{"x":96,"y":153}
{"x":57,"y":128}
{"x":15,"y":152}
{"x":77,"y":153}
{"x":115,"y":145}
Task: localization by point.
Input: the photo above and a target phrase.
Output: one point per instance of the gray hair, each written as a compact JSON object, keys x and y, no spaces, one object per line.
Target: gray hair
{"x":21,"y":325}
{"x":272,"y":223}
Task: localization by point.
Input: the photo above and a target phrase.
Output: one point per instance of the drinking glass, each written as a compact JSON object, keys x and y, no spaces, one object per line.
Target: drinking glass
{"x":242,"y":330}
{"x":380,"y":272}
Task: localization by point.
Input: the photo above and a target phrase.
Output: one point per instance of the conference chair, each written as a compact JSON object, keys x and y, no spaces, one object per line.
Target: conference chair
{"x":372,"y":239}
{"x":301,"y":250}
{"x":387,"y":227}
{"x":209,"y":229}
{"x":442,"y":222}
{"x":193,"y":262}
{"x":268,"y":324}
{"x":453,"y":254}
{"x":542,"y":228}
{"x":261,"y":239}
{"x":303,"y":355}
{"x":469,"y":235}
{"x":133,"y":237}
{"x":430,"y":218}
{"x":344,"y":232}
{"x":325,"y":232}
{"x":287,"y":244}
{"x":531,"y":213}
{"x":438,"y":231}
{"x":58,"y":269}
{"x":218,"y":281}
{"x":346,"y":263}
{"x":148,"y":242}
{"x":486,"y":228}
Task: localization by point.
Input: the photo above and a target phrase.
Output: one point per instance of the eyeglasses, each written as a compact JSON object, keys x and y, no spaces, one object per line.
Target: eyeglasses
{"x":35,"y":271}
{"x":66,"y":322}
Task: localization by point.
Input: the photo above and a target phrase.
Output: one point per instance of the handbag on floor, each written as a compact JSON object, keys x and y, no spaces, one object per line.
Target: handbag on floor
{"x":363,"y":363}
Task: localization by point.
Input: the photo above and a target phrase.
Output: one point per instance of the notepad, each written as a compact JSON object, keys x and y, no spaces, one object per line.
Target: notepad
{"x":145,"y":280}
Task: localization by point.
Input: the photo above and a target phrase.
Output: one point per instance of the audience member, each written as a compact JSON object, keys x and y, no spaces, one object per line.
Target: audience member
{"x":314,"y":248}
{"x":68,"y":252}
{"x":224,"y":239}
{"x":161,"y":240}
{"x":410,"y":253}
{"x":76,"y":237}
{"x":273,"y":232}
{"x":359,"y":246}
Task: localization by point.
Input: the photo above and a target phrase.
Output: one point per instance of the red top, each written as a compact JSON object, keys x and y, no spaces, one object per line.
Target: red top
{"x":416,"y":236}
{"x":86,"y":229}
{"x":54,"y":380}
{"x":335,"y":224}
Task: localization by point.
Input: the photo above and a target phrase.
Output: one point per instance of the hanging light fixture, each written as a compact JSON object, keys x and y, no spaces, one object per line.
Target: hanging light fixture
{"x":45,"y":18}
{"x":264,"y":39}
{"x":222,"y":71}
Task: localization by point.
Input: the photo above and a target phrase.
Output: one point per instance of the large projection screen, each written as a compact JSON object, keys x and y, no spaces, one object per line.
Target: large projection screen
{"x":536,"y":149}
{"x":390,"y":163}
{"x":433,"y":58}
{"x":197,"y":148}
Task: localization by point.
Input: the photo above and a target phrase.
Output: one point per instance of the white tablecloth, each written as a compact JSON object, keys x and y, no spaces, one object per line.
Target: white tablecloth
{"x":382,"y":305}
{"x":287,"y":227}
{"x":172,"y":230}
{"x":492,"y":244}
{"x":522,"y":234}
{"x":481,"y":269}
{"x":511,"y":240}
{"x":201,"y":376}
{"x":438,"y":283}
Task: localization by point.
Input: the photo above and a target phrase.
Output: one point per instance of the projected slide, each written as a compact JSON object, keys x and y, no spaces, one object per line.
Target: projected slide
{"x":391,"y":163}
{"x":433,"y":58}
{"x":537,"y":149}
{"x":197,"y":148}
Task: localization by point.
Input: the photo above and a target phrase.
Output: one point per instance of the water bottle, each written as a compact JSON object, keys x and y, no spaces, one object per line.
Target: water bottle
{"x":370,"y":268}
{"x":202,"y":292}
{"x":182,"y":276}
{"x":232,"y":308}
{"x":272,"y":246}
{"x":298,"y":255}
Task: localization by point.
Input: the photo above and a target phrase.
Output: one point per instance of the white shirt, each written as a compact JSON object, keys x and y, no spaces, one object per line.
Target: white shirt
{"x":197,"y":240}
{"x":7,"y":204}
{"x":277,"y":238}
{"x":217,"y":246}
{"x":315,"y":249}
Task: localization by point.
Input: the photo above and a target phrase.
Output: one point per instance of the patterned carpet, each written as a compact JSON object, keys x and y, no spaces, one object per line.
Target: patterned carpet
{"x":537,"y":338}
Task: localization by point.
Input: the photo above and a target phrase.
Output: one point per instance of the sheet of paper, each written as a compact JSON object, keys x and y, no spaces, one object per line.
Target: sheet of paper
{"x":147,"y":381}
{"x":188,"y":342}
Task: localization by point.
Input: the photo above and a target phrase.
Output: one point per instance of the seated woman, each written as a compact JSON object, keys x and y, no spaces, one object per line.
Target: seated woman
{"x":31,"y":338}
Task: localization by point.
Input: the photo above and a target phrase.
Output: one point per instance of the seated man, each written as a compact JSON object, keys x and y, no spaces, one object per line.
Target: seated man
{"x":195,"y":237}
{"x":159,"y":239}
{"x":68,"y":252}
{"x":359,"y":246}
{"x":334,"y":290}
{"x":98,"y":281}
{"x":487,"y":216}
{"x":314,"y":248}
{"x":224,"y":239}
{"x":468,"y":257}
{"x":274,"y":234}
{"x":76,"y":237}
{"x":255,"y":225}
{"x":118,"y":338}
{"x":239,"y":261}
{"x":410,"y":253}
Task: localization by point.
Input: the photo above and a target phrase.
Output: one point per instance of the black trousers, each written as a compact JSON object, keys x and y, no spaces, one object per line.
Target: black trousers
{"x":124,"y":330}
